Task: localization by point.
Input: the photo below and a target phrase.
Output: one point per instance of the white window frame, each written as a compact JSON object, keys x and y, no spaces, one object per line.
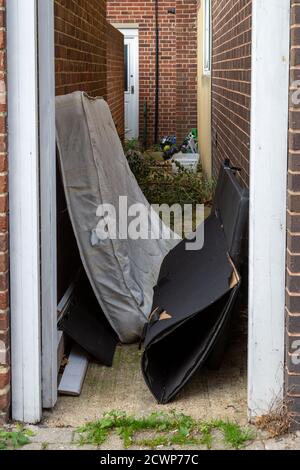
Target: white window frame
{"x":207,"y":38}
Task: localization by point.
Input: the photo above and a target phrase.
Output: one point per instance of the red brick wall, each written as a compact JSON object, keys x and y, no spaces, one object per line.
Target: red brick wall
{"x":293,"y":224}
{"x":178,"y":61}
{"x":115,"y":77}
{"x":231,"y":83}
{"x":186,"y":32}
{"x":4,"y":265}
{"x":80,"y":46}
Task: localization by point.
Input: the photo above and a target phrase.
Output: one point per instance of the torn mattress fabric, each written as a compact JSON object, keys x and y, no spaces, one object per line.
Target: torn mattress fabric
{"x":95,"y":171}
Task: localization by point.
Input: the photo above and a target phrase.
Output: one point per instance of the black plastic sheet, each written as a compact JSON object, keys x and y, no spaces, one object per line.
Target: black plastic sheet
{"x":195,"y":295}
{"x":86,"y":324}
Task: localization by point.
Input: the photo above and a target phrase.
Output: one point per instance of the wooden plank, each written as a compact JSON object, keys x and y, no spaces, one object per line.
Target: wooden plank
{"x":67,"y":297}
{"x":60,"y":348}
{"x":48,"y":201}
{"x":65,"y":302}
{"x":74,"y":374}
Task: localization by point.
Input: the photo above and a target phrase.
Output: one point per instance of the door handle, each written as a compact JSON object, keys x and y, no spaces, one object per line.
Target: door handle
{"x":132,"y":89}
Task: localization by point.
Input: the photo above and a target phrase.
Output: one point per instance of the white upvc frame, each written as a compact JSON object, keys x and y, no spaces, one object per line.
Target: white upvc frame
{"x":207,"y":37}
{"x":24,"y":210}
{"x":48,"y":201}
{"x":131,"y":32}
{"x":31,"y":135}
{"x":268,"y":176}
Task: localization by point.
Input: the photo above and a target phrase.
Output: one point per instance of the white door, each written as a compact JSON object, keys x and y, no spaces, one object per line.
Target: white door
{"x":131,"y":85}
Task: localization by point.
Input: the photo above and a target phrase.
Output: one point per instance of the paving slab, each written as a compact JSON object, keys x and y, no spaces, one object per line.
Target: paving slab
{"x":209,"y":395}
{"x":49,"y":440}
{"x":32,"y":446}
{"x":71,"y":447}
{"x":113,"y":442}
{"x":287,"y":443}
{"x":256,"y":445}
{"x":51,"y":435}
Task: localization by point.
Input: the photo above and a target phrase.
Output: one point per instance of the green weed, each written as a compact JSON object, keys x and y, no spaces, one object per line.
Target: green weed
{"x":14,"y":439}
{"x":162,"y":186}
{"x":162,"y":429}
{"x":234,"y":435}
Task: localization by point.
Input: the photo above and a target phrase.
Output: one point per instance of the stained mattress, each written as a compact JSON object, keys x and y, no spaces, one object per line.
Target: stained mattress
{"x":122,"y":272}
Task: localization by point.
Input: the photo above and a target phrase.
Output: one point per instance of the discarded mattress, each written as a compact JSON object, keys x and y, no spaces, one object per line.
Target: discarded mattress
{"x":195,"y":295}
{"x":95,"y":171}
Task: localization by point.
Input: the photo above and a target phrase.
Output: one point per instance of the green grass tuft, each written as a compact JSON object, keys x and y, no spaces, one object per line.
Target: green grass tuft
{"x":206,"y":435}
{"x":165,"y":429}
{"x":15,"y":439}
{"x":234,"y":435}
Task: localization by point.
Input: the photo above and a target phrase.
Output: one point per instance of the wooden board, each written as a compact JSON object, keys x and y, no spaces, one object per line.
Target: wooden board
{"x":74,"y":374}
{"x":60,"y":348}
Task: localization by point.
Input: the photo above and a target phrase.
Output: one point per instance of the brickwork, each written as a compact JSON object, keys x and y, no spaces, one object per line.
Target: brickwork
{"x":231,"y":83}
{"x":80,"y":46}
{"x":115,"y":77}
{"x":186,"y":67}
{"x":4,"y":262}
{"x":178,"y":61}
{"x":293,"y":224}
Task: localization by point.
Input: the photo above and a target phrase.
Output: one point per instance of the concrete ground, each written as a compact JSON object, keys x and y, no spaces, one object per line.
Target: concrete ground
{"x":209,"y":395}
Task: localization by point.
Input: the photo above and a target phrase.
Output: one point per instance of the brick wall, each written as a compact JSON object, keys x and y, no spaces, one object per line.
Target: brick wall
{"x":80,"y":46}
{"x":115,"y":77}
{"x":178,"y":60}
{"x":186,"y":68}
{"x":4,"y":298}
{"x":293,"y":223}
{"x":231,"y":83}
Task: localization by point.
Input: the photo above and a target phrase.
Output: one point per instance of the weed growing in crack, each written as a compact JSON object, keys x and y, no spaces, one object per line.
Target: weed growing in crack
{"x":162,"y":429}
{"x":14,"y":438}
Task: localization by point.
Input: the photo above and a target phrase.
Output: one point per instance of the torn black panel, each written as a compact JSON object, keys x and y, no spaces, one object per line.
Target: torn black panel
{"x":195,"y":296}
{"x":87,"y":325}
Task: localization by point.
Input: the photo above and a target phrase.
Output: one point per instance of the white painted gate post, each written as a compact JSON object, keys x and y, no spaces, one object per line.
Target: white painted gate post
{"x":24,"y":209}
{"x":268,"y":176}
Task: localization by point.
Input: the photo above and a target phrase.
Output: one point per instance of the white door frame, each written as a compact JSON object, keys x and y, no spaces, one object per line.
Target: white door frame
{"x":30,"y":140}
{"x":24,"y":210}
{"x":268,"y":184}
{"x":132,"y":32}
{"x":48,"y":202}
